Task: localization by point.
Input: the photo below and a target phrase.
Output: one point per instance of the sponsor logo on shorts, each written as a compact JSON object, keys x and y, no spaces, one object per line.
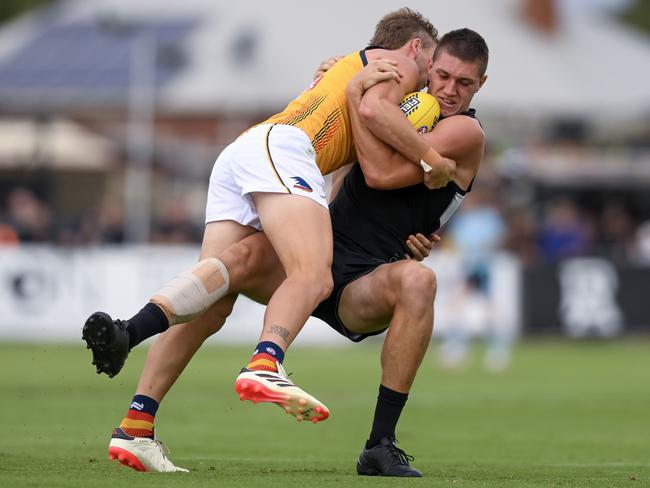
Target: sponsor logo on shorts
{"x":301,"y":184}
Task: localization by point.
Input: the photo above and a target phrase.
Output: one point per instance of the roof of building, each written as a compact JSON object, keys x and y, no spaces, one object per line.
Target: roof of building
{"x":223,"y":56}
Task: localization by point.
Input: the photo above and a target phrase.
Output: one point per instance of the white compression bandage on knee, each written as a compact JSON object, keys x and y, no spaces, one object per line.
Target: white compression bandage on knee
{"x":193,"y":291}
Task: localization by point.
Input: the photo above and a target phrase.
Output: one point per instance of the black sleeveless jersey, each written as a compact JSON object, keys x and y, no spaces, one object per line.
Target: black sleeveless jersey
{"x":371,"y":227}
{"x":377,"y":222}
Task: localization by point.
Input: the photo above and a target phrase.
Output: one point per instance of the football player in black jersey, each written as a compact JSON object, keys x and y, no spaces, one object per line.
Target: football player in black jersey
{"x":368,"y":294}
{"x":375,"y":288}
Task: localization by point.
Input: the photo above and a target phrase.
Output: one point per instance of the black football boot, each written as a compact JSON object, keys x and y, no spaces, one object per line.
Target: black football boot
{"x":109,"y":341}
{"x":386,"y":459}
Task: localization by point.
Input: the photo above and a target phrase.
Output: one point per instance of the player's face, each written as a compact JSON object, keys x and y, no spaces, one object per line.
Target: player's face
{"x":454,"y":82}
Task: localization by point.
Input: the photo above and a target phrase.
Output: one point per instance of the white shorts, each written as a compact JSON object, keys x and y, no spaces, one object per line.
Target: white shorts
{"x":268,"y":159}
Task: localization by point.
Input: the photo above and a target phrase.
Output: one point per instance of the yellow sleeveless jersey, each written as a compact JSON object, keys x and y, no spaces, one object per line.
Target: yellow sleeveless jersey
{"x":321,"y":111}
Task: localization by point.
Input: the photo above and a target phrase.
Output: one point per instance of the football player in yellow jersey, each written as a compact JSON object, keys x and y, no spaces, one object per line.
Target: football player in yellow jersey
{"x":271,"y":177}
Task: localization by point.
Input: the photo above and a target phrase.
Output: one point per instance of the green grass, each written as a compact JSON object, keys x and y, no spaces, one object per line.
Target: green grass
{"x":565,"y":415}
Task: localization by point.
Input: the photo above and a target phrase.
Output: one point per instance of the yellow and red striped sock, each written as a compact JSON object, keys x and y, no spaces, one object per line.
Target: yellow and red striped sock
{"x":139,"y":419}
{"x":266,"y":356}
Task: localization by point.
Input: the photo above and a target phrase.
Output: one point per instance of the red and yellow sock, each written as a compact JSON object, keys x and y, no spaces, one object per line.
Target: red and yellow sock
{"x":266,"y":356}
{"x":139,"y":419}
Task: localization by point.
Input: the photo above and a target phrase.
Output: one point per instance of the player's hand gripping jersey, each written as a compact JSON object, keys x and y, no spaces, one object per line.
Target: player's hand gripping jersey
{"x":321,"y":112}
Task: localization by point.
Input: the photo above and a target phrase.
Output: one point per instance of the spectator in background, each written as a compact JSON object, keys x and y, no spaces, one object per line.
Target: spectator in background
{"x":111,"y":222}
{"x":101,"y":225}
{"x":617,"y":231}
{"x":29,"y":216}
{"x":478,"y":232}
{"x":8,"y":235}
{"x":564,"y":232}
{"x":175,"y":225}
{"x":521,"y":238}
{"x":642,"y":243}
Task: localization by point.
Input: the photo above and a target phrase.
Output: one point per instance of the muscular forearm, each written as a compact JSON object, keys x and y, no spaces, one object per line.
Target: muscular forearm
{"x":387,"y":122}
{"x":383,"y":167}
{"x":399,"y":176}
{"x":373,"y":155}
{"x":372,"y":103}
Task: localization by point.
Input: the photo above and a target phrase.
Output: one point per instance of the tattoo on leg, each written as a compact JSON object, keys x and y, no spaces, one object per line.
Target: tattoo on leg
{"x":277,"y":330}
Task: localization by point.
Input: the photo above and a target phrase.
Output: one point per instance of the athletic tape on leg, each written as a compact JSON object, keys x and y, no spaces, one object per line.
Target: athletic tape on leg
{"x":193,"y":291}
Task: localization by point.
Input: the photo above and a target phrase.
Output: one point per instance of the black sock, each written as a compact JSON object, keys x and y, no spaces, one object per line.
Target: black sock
{"x":389,"y":407}
{"x":149,"y":321}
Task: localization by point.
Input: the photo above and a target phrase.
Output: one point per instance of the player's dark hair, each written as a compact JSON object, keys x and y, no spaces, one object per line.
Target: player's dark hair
{"x":465,"y":44}
{"x":397,"y":28}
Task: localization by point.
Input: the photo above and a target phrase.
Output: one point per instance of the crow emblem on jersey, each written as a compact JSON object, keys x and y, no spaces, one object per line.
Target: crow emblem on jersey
{"x":301,"y":184}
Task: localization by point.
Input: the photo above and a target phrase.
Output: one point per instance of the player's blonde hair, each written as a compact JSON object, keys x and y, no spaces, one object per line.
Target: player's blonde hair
{"x":397,"y":28}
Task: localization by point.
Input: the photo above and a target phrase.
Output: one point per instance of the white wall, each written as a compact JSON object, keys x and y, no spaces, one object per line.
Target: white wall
{"x":46,"y":293}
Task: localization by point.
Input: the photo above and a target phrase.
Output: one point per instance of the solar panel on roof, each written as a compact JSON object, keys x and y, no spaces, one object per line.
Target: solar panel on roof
{"x":88,"y":56}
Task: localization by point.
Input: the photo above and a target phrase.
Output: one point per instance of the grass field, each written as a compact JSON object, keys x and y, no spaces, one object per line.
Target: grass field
{"x":565,"y":414}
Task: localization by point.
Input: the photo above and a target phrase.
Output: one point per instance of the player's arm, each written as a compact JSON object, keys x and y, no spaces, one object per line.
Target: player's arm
{"x":461,"y":139}
{"x":379,"y":111}
{"x":383,"y":167}
{"x":458,"y":138}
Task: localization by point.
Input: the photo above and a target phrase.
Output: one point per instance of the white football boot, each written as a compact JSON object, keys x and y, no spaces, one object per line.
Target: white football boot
{"x":141,"y":453}
{"x":267,"y":386}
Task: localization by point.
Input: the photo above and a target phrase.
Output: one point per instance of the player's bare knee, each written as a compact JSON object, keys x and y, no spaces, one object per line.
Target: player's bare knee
{"x":238,"y":259}
{"x":317,"y":283}
{"x":418,"y":281}
{"x":324,"y":284}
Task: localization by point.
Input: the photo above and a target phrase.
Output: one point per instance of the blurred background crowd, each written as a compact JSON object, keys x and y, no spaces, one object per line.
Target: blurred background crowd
{"x":572,"y":222}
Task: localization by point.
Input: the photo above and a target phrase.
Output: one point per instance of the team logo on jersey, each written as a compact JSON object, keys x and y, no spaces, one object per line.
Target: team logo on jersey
{"x":301,"y":184}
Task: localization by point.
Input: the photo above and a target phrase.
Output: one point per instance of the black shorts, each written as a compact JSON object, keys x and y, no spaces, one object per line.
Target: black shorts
{"x":347,"y":266}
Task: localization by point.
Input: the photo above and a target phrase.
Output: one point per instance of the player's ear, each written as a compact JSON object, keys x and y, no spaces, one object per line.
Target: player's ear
{"x":416,"y":45}
{"x":481,"y":82}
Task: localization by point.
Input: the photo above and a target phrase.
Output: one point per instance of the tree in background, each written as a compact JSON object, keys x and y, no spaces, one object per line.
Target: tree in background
{"x":12,"y":8}
{"x":638,"y":14}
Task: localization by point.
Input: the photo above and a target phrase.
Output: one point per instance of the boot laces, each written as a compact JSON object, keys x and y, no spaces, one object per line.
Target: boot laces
{"x":398,"y":454}
{"x":121,"y":324}
{"x":163,"y":447}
